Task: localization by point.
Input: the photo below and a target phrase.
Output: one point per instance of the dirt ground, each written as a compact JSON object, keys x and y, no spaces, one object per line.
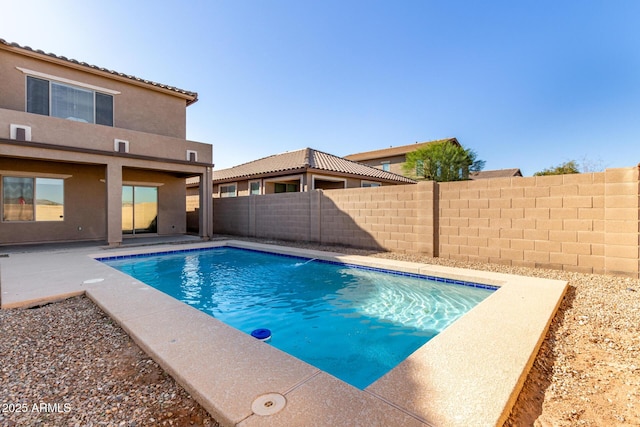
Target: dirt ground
{"x":587,"y":372}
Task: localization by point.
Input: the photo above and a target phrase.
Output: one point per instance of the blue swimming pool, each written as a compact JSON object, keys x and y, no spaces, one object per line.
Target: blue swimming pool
{"x":353,"y":322}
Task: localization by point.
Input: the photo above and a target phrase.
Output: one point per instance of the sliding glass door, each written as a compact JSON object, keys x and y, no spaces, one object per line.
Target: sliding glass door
{"x":139,"y":209}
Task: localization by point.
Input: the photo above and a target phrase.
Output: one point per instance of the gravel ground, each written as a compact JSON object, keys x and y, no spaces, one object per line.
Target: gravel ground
{"x":68,"y":364}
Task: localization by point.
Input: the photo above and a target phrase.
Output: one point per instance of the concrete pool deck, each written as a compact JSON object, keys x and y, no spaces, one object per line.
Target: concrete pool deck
{"x":470,"y":374}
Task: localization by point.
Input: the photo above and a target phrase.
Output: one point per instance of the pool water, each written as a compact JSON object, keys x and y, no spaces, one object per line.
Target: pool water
{"x":354,"y":323}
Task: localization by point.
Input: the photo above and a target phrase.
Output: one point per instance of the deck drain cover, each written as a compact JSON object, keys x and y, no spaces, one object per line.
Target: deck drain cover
{"x":90,"y":281}
{"x":268,"y":404}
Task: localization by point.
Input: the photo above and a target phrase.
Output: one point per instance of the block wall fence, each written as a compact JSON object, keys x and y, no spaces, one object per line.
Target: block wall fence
{"x":583,"y":222}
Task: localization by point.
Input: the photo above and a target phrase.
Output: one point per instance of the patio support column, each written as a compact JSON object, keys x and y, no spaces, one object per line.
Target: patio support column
{"x":206,"y":204}
{"x":114,"y":204}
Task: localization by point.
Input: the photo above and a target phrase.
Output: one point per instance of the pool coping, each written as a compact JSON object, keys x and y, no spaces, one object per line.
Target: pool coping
{"x":470,"y":374}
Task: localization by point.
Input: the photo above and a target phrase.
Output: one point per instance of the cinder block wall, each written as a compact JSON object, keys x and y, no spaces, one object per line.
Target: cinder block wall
{"x":231,"y":216}
{"x":621,"y":221}
{"x":396,"y":218}
{"x":550,"y":221}
{"x":390,"y":217}
{"x":279,"y":216}
{"x":584,"y":222}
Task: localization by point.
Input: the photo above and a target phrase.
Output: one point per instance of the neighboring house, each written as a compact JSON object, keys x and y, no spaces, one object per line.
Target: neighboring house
{"x":500,"y":173}
{"x":301,"y":170}
{"x":87,"y":153}
{"x":393,"y":159}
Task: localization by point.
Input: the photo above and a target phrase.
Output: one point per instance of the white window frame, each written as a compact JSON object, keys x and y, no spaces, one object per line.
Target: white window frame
{"x":71,"y":83}
{"x":228,"y":184}
{"x":259,"y":187}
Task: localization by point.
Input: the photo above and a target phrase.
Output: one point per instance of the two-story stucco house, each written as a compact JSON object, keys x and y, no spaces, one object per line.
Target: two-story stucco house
{"x":87,"y":153}
{"x":393,"y":159}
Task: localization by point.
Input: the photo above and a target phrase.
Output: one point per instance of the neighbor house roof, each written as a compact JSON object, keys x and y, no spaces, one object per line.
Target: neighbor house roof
{"x":303,"y":160}
{"x":189,"y":96}
{"x":500,"y":173}
{"x":395,"y":151}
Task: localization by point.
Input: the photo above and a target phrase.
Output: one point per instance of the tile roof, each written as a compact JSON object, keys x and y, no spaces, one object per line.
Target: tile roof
{"x":500,"y":173}
{"x":191,"y":97}
{"x":303,"y":160}
{"x":394,"y":151}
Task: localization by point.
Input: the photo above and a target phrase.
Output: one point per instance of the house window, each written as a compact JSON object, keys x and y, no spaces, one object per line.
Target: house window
{"x":369,"y":184}
{"x":32,"y":199}
{"x":228,"y":190}
{"x":281,"y":187}
{"x":386,"y":166}
{"x":254,"y":187}
{"x":419,"y":167}
{"x":65,"y":101}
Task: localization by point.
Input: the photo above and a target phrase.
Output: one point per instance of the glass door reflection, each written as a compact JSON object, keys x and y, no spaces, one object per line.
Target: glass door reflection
{"x":139,"y":209}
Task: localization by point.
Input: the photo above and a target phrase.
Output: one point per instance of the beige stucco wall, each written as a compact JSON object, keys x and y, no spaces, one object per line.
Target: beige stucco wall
{"x":68,"y":133}
{"x":584,"y":222}
{"x":85,"y":202}
{"x":135,"y":108}
{"x":395,"y":164}
{"x":84,"y":205}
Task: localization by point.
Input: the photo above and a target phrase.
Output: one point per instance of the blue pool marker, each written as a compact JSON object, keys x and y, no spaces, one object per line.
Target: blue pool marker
{"x":262,"y":334}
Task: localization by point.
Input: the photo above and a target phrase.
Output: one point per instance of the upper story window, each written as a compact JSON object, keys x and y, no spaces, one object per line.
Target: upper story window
{"x":386,"y":166}
{"x":51,"y":98}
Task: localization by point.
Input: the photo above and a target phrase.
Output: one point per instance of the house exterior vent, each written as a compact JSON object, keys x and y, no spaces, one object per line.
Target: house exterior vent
{"x":20,"y":132}
{"x":192,"y":156}
{"x":121,"y":146}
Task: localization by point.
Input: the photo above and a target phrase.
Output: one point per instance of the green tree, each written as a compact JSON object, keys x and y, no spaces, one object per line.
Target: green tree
{"x":442,"y":162}
{"x":565,"y":168}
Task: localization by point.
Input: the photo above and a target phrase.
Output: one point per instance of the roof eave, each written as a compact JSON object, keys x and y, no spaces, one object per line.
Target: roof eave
{"x":365,"y":177}
{"x":189,"y":97}
{"x":283,"y":172}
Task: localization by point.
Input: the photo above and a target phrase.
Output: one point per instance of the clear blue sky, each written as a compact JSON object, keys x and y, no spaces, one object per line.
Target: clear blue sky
{"x":526,"y":84}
